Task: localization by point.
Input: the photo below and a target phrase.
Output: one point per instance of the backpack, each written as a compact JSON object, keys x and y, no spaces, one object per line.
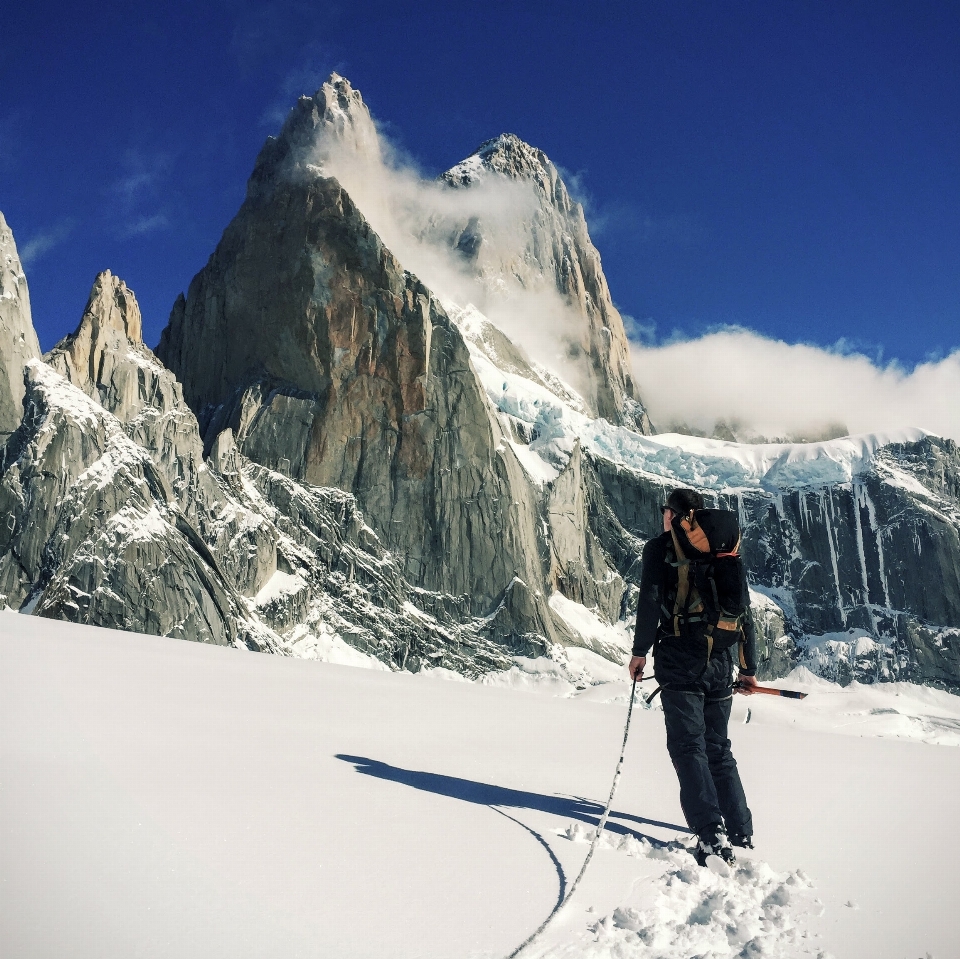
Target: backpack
{"x":710,"y":587}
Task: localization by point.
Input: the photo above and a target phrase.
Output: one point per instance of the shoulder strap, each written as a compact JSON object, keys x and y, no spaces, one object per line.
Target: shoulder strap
{"x":687,"y":599}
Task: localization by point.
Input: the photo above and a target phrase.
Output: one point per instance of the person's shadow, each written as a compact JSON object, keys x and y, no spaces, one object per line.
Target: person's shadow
{"x":500,"y":798}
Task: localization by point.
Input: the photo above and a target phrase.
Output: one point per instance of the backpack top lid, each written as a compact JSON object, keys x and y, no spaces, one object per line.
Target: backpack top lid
{"x":708,"y":532}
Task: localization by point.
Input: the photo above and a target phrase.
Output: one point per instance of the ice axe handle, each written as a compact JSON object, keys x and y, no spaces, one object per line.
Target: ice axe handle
{"x":773,"y":691}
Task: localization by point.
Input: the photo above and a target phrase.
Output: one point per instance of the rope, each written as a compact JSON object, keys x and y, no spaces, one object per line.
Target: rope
{"x":596,"y":839}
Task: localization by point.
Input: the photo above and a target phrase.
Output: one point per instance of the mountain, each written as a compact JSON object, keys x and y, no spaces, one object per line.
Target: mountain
{"x":392,"y":421}
{"x":18,"y":339}
{"x":333,"y":365}
{"x":552,"y":250}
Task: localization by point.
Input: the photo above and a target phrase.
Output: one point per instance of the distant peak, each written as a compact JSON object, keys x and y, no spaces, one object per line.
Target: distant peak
{"x":113,"y":306}
{"x":509,"y":156}
{"x":339,"y":88}
{"x":508,"y":143}
{"x":335,"y":116}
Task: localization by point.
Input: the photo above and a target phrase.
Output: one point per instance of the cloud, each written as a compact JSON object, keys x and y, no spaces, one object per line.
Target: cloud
{"x":146,"y":224}
{"x":303,"y":80}
{"x":679,"y":229}
{"x":142,"y":177}
{"x":138,"y":187}
{"x":427,"y":225}
{"x":775,"y":389}
{"x":619,"y":217}
{"x":43,"y":242}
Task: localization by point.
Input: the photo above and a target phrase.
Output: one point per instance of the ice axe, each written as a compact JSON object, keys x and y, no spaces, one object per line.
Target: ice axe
{"x":773,"y":691}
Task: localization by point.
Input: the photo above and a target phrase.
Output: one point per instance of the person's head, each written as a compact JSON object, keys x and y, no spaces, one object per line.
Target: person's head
{"x":679,"y":503}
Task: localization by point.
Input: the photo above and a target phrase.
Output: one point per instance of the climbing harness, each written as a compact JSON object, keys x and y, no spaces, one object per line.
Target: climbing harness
{"x":596,"y":839}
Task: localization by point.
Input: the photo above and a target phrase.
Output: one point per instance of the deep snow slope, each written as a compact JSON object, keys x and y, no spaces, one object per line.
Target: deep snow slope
{"x":169,"y":799}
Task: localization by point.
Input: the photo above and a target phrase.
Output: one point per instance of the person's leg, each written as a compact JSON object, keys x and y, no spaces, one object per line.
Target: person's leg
{"x":683,"y":714}
{"x":723,"y":767}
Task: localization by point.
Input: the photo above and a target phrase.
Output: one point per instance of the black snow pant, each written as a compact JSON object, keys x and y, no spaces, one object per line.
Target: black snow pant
{"x":696,"y":717}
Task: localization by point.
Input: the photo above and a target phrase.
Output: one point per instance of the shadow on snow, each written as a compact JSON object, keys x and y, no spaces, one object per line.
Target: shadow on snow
{"x":500,"y":798}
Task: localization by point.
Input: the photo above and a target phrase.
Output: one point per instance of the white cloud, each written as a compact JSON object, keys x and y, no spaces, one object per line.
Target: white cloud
{"x":43,"y":242}
{"x":777,"y":389}
{"x":138,"y":188}
{"x":302,"y":80}
{"x":420,"y":219}
{"x":143,"y":173}
{"x":146,"y":224}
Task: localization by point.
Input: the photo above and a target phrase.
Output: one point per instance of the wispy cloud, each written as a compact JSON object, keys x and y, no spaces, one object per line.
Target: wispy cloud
{"x":775,"y":389}
{"x":137,"y":189}
{"x":628,"y":219}
{"x":679,"y":229}
{"x":46,"y":240}
{"x":146,"y":224}
{"x":304,"y":79}
{"x":142,"y":175}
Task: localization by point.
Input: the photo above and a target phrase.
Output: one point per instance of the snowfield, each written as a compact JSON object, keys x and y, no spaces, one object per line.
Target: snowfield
{"x":166,"y":799}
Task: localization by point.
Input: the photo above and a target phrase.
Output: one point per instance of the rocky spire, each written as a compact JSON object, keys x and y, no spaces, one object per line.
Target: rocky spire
{"x":553,"y":249}
{"x":18,"y":339}
{"x":335,"y":117}
{"x":96,"y":357}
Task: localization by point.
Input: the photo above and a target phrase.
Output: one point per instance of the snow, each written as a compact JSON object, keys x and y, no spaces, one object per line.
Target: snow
{"x":470,"y":170}
{"x":586,"y":623}
{"x":558,"y":417}
{"x":134,"y":525}
{"x":317,"y":641}
{"x":171,"y":799}
{"x":146,"y":362}
{"x":62,"y":395}
{"x":279,"y":586}
{"x":537,"y":468}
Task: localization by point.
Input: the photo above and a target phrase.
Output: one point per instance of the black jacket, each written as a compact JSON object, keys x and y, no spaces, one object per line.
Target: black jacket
{"x":679,"y":659}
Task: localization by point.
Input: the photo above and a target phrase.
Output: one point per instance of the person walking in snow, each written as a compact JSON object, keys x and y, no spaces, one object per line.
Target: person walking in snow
{"x":693,"y":612}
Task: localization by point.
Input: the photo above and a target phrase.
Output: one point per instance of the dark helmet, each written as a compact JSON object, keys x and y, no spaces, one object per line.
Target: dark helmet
{"x":683,"y":500}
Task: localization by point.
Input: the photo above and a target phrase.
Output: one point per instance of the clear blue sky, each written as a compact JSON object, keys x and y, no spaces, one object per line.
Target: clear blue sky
{"x":792,"y":167}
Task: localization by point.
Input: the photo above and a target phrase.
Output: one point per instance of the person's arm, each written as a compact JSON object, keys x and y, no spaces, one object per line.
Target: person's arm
{"x":747,"y":651}
{"x":648,"y":606}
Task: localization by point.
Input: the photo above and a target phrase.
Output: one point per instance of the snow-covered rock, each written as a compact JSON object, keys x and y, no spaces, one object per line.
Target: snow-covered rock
{"x":550,"y":250}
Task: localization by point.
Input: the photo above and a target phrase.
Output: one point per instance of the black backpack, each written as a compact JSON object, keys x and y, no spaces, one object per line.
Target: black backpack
{"x":711,"y":586}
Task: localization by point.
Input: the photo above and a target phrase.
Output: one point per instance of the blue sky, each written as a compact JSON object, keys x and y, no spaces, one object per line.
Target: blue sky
{"x":791,"y":168}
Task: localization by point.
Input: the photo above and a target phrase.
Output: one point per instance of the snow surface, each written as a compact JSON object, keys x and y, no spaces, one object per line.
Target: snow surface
{"x":168,"y":799}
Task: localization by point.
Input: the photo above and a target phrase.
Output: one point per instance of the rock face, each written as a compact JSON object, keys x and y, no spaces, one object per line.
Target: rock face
{"x":108,"y":546}
{"x":552,"y":250}
{"x":334,"y":366}
{"x":18,"y":340}
{"x":857,"y":580}
{"x":115,"y":519}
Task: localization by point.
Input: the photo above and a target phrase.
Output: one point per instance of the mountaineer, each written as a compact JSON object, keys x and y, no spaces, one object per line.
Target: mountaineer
{"x":693,"y":611}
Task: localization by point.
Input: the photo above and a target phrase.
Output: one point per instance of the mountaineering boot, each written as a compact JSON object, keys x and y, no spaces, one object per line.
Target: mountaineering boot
{"x":714,"y":843}
{"x":738,"y":839}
